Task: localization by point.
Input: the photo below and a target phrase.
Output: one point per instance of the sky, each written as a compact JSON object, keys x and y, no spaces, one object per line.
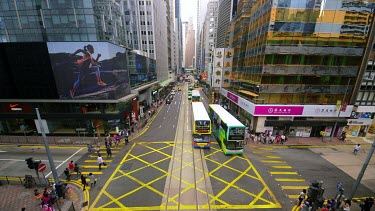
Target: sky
{"x":189,"y":8}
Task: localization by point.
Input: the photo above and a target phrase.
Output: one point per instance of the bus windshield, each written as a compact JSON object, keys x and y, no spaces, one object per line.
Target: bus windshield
{"x":201,"y":138}
{"x":233,"y":145}
{"x":236,"y":133}
{"x":202,"y":126}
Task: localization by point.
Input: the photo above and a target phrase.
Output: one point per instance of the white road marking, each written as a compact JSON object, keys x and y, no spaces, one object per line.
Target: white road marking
{"x":164,"y":117}
{"x":64,"y":162}
{"x":160,"y":126}
{"x":3,"y":151}
{"x":173,"y":126}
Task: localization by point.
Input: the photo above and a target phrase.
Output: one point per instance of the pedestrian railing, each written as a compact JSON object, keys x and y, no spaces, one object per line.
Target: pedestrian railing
{"x":60,"y":140}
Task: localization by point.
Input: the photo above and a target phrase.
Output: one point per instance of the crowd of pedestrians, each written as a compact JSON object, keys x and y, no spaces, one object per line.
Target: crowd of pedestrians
{"x":265,"y":138}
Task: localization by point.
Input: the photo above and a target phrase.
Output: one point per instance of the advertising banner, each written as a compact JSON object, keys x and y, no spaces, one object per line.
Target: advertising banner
{"x":89,"y":70}
{"x":227,"y":71}
{"x":218,"y":67}
{"x":278,"y":110}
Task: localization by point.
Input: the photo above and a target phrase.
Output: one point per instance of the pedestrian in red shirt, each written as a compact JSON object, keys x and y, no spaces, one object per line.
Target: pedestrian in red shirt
{"x":71,"y":166}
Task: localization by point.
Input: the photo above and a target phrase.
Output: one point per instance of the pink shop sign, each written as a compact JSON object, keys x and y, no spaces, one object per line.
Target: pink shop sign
{"x":232,"y":97}
{"x":279,"y":110}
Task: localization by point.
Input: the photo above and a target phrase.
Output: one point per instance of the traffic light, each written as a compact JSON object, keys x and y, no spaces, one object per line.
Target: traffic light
{"x":30,"y":162}
{"x":36,"y":164}
{"x":61,"y":189}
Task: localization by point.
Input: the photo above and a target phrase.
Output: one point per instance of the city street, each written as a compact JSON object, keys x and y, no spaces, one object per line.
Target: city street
{"x":161,"y":171}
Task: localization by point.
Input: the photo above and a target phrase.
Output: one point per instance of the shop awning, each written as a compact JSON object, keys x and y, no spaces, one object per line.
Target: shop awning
{"x":166,"y":82}
{"x":252,"y":94}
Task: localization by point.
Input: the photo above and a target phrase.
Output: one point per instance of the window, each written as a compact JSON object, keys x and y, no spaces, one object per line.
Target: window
{"x":144,"y":42}
{"x":127,"y":13}
{"x":143,"y":32}
{"x":135,"y":32}
{"x":151,"y":51}
{"x":141,"y":3}
{"x":150,"y":33}
{"x":148,"y":23}
{"x":143,"y":23}
{"x":148,"y":12}
{"x":127,"y":22}
{"x":148,"y":2}
{"x":151,"y":42}
{"x":142,"y":12}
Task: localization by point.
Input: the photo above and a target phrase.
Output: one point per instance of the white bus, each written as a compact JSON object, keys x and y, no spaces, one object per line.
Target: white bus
{"x":201,"y":126}
{"x":229,"y":132}
{"x":195,"y":96}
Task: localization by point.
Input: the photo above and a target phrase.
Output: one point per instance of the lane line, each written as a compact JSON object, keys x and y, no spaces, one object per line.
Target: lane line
{"x":272,"y":161}
{"x":69,"y":158}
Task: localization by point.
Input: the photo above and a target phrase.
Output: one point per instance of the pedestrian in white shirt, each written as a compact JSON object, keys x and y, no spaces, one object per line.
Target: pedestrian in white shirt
{"x":100,"y":162}
{"x":356,"y":148}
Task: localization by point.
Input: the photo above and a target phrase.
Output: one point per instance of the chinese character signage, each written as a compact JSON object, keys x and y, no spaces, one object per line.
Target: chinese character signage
{"x":278,"y":110}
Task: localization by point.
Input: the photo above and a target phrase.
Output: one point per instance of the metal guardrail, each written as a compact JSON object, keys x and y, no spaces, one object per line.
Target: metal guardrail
{"x":61,"y":140}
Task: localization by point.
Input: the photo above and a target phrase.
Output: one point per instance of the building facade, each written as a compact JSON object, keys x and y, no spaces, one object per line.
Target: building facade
{"x":77,"y":73}
{"x":190,"y":44}
{"x":295,"y":63}
{"x":224,"y":18}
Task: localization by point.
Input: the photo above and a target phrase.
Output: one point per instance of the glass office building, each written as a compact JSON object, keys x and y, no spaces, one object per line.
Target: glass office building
{"x":299,"y":52}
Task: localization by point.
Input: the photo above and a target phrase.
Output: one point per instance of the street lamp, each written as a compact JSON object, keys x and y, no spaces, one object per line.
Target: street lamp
{"x":341,"y":105}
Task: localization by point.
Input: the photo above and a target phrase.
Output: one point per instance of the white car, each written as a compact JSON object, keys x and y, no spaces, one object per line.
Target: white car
{"x":173,"y":92}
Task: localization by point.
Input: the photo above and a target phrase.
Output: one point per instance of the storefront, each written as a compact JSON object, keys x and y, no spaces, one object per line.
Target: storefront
{"x":294,"y":120}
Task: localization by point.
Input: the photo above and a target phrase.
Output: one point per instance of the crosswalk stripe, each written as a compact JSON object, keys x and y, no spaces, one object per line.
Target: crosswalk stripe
{"x":93,"y":172}
{"x":270,"y":156}
{"x":294,"y":187}
{"x":293,"y":196}
{"x":281,"y":167}
{"x":283,"y":172}
{"x":289,"y":180}
{"x":92,"y":167}
{"x":272,"y":161}
{"x":95,"y":161}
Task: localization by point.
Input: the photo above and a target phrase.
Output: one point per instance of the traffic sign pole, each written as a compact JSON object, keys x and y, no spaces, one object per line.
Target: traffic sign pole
{"x":41,"y":168}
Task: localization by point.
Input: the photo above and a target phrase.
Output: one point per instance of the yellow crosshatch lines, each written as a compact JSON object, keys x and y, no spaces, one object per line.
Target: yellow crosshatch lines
{"x":151,"y":158}
{"x":258,"y":196}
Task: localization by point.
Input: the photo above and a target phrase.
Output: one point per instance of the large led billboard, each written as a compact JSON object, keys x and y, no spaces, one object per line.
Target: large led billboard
{"x":89,"y":70}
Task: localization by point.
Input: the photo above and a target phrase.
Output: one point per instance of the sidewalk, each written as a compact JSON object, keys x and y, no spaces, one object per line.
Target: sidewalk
{"x":316,"y":141}
{"x":14,"y":197}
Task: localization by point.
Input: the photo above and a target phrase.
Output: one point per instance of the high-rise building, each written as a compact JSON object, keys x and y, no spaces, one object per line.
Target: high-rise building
{"x":71,"y":59}
{"x":201,"y":16}
{"x":295,"y":63}
{"x":226,"y":9}
{"x":190,"y":44}
{"x":210,"y":30}
{"x":184,"y":34}
{"x":147,"y":23}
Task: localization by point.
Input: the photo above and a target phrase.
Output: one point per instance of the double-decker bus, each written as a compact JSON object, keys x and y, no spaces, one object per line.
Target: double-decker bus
{"x":190,"y":89}
{"x":195,"y":96}
{"x":229,"y":132}
{"x":201,"y":126}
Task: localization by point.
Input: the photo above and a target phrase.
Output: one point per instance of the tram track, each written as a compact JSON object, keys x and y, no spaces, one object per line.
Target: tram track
{"x":187,"y":186}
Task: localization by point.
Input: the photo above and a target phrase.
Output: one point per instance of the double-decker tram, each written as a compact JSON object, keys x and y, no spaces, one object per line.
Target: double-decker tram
{"x":195,"y":96}
{"x":201,"y":126}
{"x":229,"y":132}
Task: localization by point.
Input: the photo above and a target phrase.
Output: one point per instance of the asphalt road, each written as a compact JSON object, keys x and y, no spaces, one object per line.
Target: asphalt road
{"x":12,"y":159}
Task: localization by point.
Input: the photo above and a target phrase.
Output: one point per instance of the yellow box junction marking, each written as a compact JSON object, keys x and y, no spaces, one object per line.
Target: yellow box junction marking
{"x":269,"y":202}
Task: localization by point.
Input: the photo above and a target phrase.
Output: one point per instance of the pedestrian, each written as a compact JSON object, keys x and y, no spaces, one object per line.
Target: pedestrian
{"x":356,"y":148}
{"x":282,"y":139}
{"x":83,"y":181}
{"x":76,"y":169}
{"x":89,"y":148}
{"x":247,"y":139}
{"x":100,"y":162}
{"x":322,"y":133}
{"x":67,"y":174}
{"x":71,"y":167}
{"x":109,"y":152}
{"x":97,"y":149}
{"x":305,"y":206}
{"x":23,"y":209}
{"x":106,"y":142}
{"x":92,"y":180}
{"x":301,"y":197}
{"x":129,"y":132}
